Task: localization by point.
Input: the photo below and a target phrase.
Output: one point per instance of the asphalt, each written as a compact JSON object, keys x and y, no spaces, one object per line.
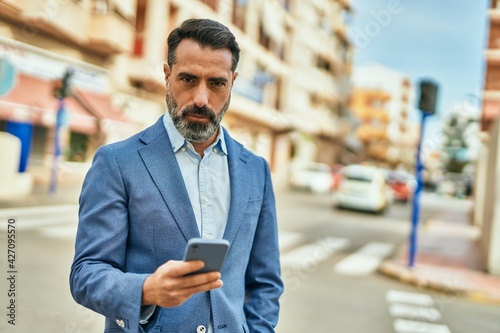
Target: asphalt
{"x":448,"y":256}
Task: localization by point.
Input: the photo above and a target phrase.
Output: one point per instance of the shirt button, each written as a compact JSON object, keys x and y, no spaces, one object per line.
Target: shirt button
{"x":205,"y":199}
{"x":201,"y":329}
{"x":183,"y":148}
{"x":120,"y":323}
{"x":215,"y":150}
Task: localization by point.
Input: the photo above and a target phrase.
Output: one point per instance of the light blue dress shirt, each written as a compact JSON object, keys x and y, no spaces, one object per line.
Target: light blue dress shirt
{"x":208,"y":186}
{"x":206,"y":179}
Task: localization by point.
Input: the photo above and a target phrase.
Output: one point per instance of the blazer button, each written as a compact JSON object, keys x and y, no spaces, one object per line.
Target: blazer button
{"x":120,"y":323}
{"x":201,"y":329}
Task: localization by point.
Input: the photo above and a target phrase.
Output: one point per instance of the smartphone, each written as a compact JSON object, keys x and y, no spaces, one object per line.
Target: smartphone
{"x":211,"y":252}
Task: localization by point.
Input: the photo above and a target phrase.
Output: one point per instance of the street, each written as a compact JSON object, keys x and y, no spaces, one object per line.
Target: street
{"x":331,"y":279}
{"x":329,"y":258}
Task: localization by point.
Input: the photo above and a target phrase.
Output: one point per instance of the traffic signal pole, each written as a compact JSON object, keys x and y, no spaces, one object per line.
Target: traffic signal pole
{"x":427,"y":105}
{"x":415,"y":216}
{"x":61,"y":93}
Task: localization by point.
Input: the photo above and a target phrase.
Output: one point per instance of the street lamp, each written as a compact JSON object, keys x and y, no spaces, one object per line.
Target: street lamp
{"x":427,"y":105}
{"x":61,"y":91}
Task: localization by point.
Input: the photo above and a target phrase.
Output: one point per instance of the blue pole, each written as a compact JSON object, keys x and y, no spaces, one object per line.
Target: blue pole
{"x":416,"y":198}
{"x":57,"y":146}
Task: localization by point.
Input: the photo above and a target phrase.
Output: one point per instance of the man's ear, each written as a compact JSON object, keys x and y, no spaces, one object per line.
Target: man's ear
{"x":166,"y":71}
{"x":235,"y":74}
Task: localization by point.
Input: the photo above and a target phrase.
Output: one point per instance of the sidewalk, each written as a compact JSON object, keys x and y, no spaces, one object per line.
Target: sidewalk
{"x":448,"y":258}
{"x":66,"y":193}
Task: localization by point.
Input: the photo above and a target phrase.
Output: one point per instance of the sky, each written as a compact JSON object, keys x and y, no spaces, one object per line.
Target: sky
{"x":441,"y":40}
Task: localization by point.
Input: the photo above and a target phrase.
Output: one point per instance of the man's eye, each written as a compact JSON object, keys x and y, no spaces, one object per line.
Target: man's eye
{"x":187,"y":80}
{"x":219,"y":83}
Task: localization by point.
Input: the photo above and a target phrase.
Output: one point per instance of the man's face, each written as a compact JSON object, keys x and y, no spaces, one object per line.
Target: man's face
{"x":199,"y":89}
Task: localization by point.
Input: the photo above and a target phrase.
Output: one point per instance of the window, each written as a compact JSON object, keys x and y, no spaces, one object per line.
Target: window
{"x":239,"y":13}
{"x":139,"y":28}
{"x":323,"y":63}
{"x":101,"y":6}
{"x":78,"y":147}
{"x":264,"y":39}
{"x":173,"y":17}
{"x":212,"y":4}
{"x":38,"y":145}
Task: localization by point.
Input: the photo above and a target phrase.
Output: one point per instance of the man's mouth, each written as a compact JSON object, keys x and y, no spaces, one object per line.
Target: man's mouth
{"x":198,"y":117}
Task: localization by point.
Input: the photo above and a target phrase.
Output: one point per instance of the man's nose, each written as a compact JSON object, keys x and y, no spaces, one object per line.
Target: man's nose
{"x":201,"y":96}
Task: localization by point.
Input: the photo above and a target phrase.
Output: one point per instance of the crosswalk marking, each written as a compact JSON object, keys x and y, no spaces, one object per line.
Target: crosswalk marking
{"x":414,"y":312}
{"x":396,"y":296}
{"x":59,"y":231}
{"x":313,"y":253}
{"x":41,"y":216}
{"x":289,"y":239}
{"x":410,"y":326}
{"x":37,"y":210}
{"x":364,"y":261}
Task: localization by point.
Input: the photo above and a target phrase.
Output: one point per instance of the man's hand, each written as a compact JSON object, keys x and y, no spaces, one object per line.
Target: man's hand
{"x":169,"y":287}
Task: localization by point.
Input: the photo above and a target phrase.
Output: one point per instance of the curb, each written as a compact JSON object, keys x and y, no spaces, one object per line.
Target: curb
{"x":410,"y":276}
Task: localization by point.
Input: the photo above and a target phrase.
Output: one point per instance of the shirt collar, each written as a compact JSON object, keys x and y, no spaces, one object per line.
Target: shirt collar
{"x":178,"y":141}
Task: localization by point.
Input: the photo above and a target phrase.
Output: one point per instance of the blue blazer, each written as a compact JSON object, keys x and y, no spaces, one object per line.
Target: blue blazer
{"x":135,"y":215}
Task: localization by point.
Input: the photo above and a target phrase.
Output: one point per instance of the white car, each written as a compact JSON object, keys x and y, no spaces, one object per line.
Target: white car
{"x":315,"y":177}
{"x":362,"y":188}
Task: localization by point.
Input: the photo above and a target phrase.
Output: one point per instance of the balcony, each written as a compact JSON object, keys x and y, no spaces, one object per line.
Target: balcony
{"x":108,"y":34}
{"x":249,"y":89}
{"x":317,"y":81}
{"x":66,"y":21}
{"x":369,"y":132}
{"x":492,"y":56}
{"x":346,"y":4}
{"x":492,"y":81}
{"x":494,"y":14}
{"x":10,"y":9}
{"x":146,"y":75}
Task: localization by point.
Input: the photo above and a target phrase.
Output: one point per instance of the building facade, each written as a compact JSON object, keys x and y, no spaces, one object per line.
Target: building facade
{"x":382,"y":100}
{"x":289,"y":103}
{"x":487,"y":191}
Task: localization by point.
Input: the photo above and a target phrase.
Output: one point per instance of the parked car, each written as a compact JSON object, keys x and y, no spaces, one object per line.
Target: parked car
{"x":315,"y":177}
{"x":453,"y":184}
{"x":336,"y":176}
{"x":362,"y":188}
{"x":402,"y":185}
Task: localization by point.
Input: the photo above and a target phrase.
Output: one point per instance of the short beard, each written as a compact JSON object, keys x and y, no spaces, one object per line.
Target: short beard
{"x":195,"y":131}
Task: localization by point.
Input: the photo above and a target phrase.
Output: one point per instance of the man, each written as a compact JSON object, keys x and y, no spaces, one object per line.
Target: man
{"x":183,"y":177}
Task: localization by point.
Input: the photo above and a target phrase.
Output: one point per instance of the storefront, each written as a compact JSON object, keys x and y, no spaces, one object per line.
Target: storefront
{"x":28,"y":102}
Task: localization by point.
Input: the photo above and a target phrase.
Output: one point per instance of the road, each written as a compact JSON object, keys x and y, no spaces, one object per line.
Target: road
{"x":329,"y":260}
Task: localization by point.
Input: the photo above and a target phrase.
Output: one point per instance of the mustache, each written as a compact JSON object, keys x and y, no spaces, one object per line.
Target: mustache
{"x":195,"y":110}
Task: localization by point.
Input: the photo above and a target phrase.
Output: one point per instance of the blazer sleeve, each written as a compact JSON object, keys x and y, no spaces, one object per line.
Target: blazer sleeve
{"x":98,"y":279}
{"x":263,"y":277}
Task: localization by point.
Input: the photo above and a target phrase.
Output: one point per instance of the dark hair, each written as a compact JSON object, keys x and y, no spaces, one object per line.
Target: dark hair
{"x":207,"y":33}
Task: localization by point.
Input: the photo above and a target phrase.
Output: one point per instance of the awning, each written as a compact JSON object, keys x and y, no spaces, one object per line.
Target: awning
{"x":99,"y":104}
{"x":31,"y":100}
{"x":112,"y":119}
{"x":491,"y":109}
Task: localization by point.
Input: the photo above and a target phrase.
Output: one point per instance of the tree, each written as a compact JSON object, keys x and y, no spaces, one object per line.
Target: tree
{"x":461,"y":129}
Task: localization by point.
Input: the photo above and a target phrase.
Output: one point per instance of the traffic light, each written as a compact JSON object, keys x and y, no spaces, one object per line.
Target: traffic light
{"x":62,"y":87}
{"x":428,"y":96}
{"x":65,"y":89}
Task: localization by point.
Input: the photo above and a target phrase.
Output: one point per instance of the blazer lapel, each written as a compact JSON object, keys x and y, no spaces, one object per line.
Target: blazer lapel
{"x":162,"y":165}
{"x":240,"y":186}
